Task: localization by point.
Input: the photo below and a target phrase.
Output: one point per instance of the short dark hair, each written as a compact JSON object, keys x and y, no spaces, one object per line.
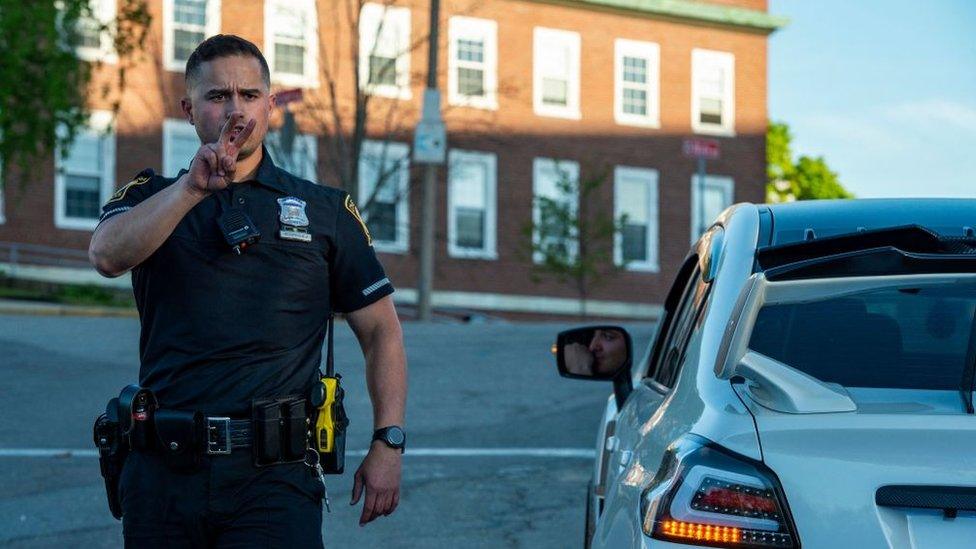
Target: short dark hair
{"x":224,"y":45}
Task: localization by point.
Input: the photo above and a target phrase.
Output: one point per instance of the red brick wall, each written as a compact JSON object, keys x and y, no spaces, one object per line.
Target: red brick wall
{"x":513,"y":132}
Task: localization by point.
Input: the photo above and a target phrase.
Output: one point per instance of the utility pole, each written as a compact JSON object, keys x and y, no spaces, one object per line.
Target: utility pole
{"x":430,"y":149}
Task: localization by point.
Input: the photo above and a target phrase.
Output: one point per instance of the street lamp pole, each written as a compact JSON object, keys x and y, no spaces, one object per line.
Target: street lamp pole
{"x":430,"y":135}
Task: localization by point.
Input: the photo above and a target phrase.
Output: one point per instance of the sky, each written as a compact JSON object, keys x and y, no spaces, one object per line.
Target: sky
{"x":884,"y":90}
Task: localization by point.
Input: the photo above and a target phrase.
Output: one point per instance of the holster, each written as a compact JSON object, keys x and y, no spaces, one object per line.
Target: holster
{"x":112,"y":451}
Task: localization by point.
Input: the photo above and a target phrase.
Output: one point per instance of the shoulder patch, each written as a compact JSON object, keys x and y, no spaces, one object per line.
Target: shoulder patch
{"x":142,"y":177}
{"x":351,"y":206}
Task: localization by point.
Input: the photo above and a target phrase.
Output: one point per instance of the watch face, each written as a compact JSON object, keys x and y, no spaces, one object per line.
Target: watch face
{"x":395,"y":436}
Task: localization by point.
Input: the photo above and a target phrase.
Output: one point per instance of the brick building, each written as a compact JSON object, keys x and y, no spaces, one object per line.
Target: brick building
{"x":533,"y":93}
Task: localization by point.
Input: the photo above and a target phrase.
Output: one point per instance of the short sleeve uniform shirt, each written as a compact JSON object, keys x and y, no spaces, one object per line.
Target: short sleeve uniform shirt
{"x":220,"y":329}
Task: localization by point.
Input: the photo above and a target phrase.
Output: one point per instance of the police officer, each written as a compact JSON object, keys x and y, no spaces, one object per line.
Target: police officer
{"x":222,"y":330}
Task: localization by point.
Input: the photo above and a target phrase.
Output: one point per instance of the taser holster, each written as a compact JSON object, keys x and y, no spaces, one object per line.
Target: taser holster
{"x":329,"y":435}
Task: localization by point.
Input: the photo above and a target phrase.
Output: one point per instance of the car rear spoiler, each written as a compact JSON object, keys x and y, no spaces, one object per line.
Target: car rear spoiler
{"x":910,"y":249}
{"x":950,"y":499}
{"x":736,"y":359}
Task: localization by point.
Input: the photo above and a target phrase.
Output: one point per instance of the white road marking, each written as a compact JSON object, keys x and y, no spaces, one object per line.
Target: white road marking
{"x":571,"y":453}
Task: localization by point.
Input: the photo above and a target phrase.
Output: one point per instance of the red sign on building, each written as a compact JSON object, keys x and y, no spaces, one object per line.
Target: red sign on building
{"x":696,"y":147}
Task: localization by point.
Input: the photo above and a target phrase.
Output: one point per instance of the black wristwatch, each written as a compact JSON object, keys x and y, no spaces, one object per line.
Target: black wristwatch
{"x":393,"y":436}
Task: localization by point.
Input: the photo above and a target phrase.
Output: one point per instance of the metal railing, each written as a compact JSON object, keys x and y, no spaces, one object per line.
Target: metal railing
{"x":19,"y":253}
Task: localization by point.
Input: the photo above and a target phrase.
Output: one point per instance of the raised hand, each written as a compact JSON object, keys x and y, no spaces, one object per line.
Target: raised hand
{"x":213,"y":167}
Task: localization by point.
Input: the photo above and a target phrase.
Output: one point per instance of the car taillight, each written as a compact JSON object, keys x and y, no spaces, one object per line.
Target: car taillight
{"x":704,"y":494}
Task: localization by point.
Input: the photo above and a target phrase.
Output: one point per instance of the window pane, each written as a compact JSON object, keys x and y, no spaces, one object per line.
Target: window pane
{"x":85,"y":155}
{"x":190,"y":12}
{"x":905,"y":338}
{"x":634,"y":241}
{"x":382,"y":70}
{"x":635,"y":70}
{"x":289,"y":59}
{"x":715,"y":202}
{"x":711,"y":80}
{"x":471,"y":50}
{"x":633,"y":199}
{"x":710,"y":110}
{"x":289,"y":23}
{"x":470,"y":228}
{"x":182,"y":149}
{"x":381,"y":219}
{"x":471,"y":82}
{"x":82,"y":196}
{"x":89,"y":33}
{"x":555,"y":92}
{"x":184,"y":42}
{"x":635,"y":102}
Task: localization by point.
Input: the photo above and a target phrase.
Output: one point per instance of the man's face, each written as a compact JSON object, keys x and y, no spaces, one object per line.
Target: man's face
{"x":609,"y":350}
{"x":222,"y":87}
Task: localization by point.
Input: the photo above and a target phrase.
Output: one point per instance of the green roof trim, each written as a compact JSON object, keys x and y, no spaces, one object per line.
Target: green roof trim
{"x":698,"y":11}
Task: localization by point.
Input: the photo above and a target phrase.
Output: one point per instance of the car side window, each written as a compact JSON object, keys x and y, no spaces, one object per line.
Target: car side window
{"x":684,"y":321}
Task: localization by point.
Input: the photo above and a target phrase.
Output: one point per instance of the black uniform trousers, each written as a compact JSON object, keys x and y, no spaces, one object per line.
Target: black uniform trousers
{"x":227,"y":502}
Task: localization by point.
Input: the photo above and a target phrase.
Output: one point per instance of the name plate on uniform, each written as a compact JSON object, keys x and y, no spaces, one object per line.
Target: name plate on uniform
{"x":295,"y":233}
{"x":293,"y":220}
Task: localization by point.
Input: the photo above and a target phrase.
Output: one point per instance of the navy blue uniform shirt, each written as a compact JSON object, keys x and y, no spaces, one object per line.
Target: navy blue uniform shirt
{"x":220,"y":329}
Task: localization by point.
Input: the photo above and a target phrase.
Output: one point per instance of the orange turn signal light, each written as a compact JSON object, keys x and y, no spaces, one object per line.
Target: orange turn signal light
{"x":703,"y":532}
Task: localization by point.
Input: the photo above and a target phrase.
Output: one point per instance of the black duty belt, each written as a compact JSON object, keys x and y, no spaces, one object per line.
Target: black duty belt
{"x":225,"y":435}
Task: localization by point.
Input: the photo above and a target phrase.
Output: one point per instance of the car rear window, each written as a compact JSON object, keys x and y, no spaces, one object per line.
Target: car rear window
{"x":904,"y":338}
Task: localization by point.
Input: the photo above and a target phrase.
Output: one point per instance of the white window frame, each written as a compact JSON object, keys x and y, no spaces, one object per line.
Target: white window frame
{"x":310,"y":79}
{"x":471,"y":28}
{"x":175,"y":127}
{"x":489,"y":161}
{"x":651,"y":53}
{"x":724,"y":183}
{"x":100,"y":125}
{"x":540,"y":167}
{"x":650,"y":178}
{"x":543,"y":38}
{"x":389,"y":150}
{"x":104,"y":12}
{"x":211,"y":28}
{"x":700,"y":58}
{"x":306,"y":141}
{"x":393,"y":19}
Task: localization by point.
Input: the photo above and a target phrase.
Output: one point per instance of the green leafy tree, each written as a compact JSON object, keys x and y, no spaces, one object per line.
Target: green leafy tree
{"x":573,"y":243}
{"x":44,"y":85}
{"x":806,"y":179}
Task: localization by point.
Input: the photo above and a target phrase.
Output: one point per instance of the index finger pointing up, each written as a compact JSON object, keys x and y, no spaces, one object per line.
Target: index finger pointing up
{"x":227,"y":132}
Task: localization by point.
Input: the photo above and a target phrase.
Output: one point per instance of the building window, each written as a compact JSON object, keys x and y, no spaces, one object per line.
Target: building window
{"x":384,"y":50}
{"x":84,"y":177}
{"x":384,"y":175}
{"x":719,"y":194}
{"x":94,"y":42}
{"x":302,"y":161}
{"x":186,"y":23}
{"x":636,"y":94}
{"x":635,"y":206}
{"x":556,"y":73}
{"x":712,"y":92}
{"x":472,"y":78}
{"x":291,"y":42}
{"x":555,"y":184}
{"x":180,"y":145}
{"x":472,"y":204}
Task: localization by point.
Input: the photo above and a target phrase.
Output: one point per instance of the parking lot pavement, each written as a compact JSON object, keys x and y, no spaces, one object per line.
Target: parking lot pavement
{"x":485,"y":406}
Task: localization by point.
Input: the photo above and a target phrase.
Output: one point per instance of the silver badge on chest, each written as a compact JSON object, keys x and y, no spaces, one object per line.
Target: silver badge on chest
{"x":294,"y":222}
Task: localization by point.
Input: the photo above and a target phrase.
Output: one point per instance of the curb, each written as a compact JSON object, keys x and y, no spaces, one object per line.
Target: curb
{"x":39,"y":308}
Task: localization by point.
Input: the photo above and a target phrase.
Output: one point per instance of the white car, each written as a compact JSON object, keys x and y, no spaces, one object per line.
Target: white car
{"x":810,"y":385}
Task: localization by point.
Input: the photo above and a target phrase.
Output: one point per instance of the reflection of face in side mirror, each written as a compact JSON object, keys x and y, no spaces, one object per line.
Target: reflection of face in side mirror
{"x":596,"y":353}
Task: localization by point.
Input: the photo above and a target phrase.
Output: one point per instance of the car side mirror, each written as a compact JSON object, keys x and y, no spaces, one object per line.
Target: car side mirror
{"x":593,"y":352}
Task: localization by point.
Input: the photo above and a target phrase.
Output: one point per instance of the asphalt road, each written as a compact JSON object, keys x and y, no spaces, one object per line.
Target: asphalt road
{"x":473,"y":388}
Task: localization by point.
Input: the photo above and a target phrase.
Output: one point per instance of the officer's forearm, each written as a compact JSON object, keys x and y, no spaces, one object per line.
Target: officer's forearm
{"x":378,"y":330}
{"x":127,"y":239}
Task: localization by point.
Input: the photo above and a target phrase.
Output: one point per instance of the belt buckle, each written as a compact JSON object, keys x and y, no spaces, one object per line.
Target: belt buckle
{"x":218,"y":435}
